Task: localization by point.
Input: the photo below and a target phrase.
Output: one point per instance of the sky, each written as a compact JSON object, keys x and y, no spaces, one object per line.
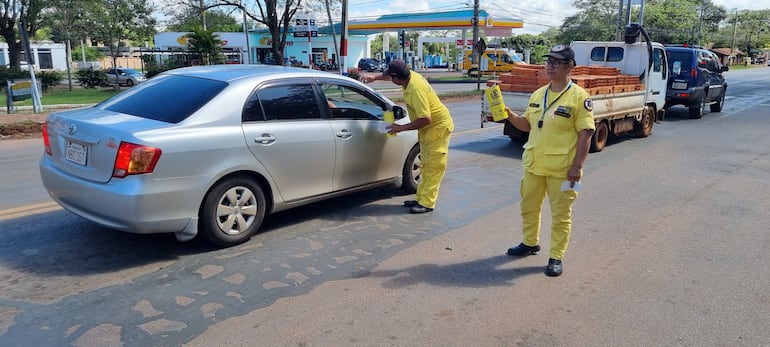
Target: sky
{"x":538,"y":16}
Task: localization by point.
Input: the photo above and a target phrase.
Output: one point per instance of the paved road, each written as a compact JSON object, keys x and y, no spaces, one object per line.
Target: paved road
{"x":669,"y":249}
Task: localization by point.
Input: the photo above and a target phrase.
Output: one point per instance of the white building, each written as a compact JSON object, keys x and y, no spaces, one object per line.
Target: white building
{"x":48,"y":55}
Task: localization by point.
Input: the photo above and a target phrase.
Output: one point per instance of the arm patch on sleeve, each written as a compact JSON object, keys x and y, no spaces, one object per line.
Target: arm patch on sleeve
{"x":589,"y":105}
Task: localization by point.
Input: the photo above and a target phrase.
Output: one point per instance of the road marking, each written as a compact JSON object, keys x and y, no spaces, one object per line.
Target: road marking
{"x":28,"y":210}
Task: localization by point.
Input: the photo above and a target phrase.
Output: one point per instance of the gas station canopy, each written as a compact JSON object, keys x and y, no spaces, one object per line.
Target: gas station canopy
{"x":452,"y":20}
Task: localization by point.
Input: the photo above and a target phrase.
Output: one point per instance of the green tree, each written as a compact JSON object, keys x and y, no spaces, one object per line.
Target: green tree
{"x":595,"y":21}
{"x":216,"y":20}
{"x":65,"y":21}
{"x":116,"y":21}
{"x":682,"y":21}
{"x":13,"y":12}
{"x":206,"y":44}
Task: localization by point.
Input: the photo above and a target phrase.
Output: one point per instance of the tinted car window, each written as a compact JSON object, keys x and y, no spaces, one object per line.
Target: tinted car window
{"x":679,"y":62}
{"x":349,"y":103}
{"x":289,"y":102}
{"x":165,"y":98}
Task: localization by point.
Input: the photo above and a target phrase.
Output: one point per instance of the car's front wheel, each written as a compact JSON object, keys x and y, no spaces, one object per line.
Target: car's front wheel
{"x":412,"y":173}
{"x":233,"y":211}
{"x":130,"y":83}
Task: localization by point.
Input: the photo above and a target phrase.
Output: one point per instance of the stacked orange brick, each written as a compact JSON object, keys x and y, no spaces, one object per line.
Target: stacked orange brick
{"x":594,"y":79}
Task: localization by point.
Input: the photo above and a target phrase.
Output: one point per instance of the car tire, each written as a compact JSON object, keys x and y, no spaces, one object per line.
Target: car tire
{"x":644,"y":127}
{"x":412,"y":172}
{"x":233,"y":211}
{"x":129,"y":83}
{"x":717,"y":105}
{"x":696,"y":111}
{"x":600,"y":137}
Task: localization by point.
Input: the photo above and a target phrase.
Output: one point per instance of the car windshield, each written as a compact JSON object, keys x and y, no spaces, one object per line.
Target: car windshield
{"x":131,"y":72}
{"x":169,"y":98}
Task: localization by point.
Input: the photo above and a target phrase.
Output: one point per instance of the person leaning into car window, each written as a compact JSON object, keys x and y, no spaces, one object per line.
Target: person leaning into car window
{"x":560,"y":123}
{"x":434,"y":125}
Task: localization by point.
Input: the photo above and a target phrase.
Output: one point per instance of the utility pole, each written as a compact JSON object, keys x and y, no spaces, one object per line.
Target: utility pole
{"x":246,"y":32}
{"x":474,"y":54}
{"x":36,"y":103}
{"x":700,"y":25}
{"x":735,"y":28}
{"x":203,"y":14}
{"x":344,"y":39}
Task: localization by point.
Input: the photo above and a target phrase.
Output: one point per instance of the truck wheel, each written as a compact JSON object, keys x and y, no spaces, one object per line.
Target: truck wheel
{"x":233,"y":211}
{"x":600,"y":136}
{"x":717,"y":105}
{"x":696,"y":111}
{"x":644,"y":128}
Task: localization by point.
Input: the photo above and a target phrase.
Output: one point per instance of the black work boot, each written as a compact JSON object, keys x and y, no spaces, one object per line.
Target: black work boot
{"x":523,"y":249}
{"x":410,"y":203}
{"x":554,"y":267}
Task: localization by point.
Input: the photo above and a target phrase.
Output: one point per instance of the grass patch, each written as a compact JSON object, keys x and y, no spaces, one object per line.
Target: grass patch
{"x":59,"y":96}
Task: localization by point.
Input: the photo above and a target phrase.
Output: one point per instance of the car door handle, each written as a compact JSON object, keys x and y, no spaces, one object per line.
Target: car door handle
{"x":655,"y":92}
{"x":344,"y":133}
{"x":265,"y":139}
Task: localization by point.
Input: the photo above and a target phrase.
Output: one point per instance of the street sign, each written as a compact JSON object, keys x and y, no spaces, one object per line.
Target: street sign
{"x":305,"y":25}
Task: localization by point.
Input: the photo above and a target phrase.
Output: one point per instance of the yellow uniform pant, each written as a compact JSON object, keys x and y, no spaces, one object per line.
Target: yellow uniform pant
{"x":434,"y":145}
{"x":533,"y":190}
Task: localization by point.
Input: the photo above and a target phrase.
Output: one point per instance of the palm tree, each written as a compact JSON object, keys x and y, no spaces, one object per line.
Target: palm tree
{"x":206,"y":44}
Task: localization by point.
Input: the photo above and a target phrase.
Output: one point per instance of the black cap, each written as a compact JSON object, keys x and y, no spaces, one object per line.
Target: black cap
{"x":562,"y":52}
{"x":397,"y":68}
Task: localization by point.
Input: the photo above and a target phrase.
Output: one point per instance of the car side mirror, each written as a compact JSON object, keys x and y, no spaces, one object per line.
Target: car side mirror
{"x":725,"y":68}
{"x":398,"y":112}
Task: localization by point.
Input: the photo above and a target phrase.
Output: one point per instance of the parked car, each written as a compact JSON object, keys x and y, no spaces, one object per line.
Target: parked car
{"x":213,"y":150}
{"x":371,"y":65}
{"x":695,"y":80}
{"x":127,"y":77}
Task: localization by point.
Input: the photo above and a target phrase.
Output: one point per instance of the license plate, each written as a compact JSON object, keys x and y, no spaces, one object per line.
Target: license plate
{"x":76,"y":153}
{"x":679,"y":85}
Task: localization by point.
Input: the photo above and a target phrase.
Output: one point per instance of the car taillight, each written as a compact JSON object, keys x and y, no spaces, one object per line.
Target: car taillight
{"x":46,"y":142}
{"x":694,"y":73}
{"x":135,"y":159}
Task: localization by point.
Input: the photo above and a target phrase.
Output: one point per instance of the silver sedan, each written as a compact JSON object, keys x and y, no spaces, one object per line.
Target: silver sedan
{"x":213,"y":150}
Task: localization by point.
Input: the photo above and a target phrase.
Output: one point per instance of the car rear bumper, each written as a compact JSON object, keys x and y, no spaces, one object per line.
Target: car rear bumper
{"x":161,"y":207}
{"x":684,"y":96}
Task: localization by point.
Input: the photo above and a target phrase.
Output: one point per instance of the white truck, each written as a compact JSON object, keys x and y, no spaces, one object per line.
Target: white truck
{"x":615,"y":112}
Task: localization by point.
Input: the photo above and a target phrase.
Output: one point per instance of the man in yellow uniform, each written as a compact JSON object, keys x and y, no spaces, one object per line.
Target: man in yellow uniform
{"x":434,"y":125}
{"x":560,"y":123}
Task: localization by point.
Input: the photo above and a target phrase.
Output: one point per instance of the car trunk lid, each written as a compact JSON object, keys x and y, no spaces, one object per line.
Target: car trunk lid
{"x":84,"y":143}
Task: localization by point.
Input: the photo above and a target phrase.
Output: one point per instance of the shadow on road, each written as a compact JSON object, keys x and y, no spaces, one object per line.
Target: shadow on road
{"x":475,"y":274}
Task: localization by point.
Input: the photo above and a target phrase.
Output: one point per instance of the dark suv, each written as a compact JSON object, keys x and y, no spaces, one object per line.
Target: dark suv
{"x":371,"y":65}
{"x":695,"y":80}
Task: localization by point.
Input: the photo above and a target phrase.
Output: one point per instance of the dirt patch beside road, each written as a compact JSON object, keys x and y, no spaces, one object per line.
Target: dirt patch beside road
{"x":21,"y":125}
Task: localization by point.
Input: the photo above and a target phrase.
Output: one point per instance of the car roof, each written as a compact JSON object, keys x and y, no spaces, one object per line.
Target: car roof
{"x":232,"y":72}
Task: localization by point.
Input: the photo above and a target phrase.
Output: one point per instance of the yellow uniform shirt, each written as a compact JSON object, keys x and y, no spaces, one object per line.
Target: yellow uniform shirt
{"x":551,"y":148}
{"x":421,"y":100}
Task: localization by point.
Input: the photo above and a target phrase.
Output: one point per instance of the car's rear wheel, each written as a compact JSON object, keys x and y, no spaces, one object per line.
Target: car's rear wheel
{"x":717,"y":105}
{"x":696,"y":111}
{"x":644,"y":128}
{"x":412,"y":173}
{"x":600,"y":137}
{"x":233,"y":211}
